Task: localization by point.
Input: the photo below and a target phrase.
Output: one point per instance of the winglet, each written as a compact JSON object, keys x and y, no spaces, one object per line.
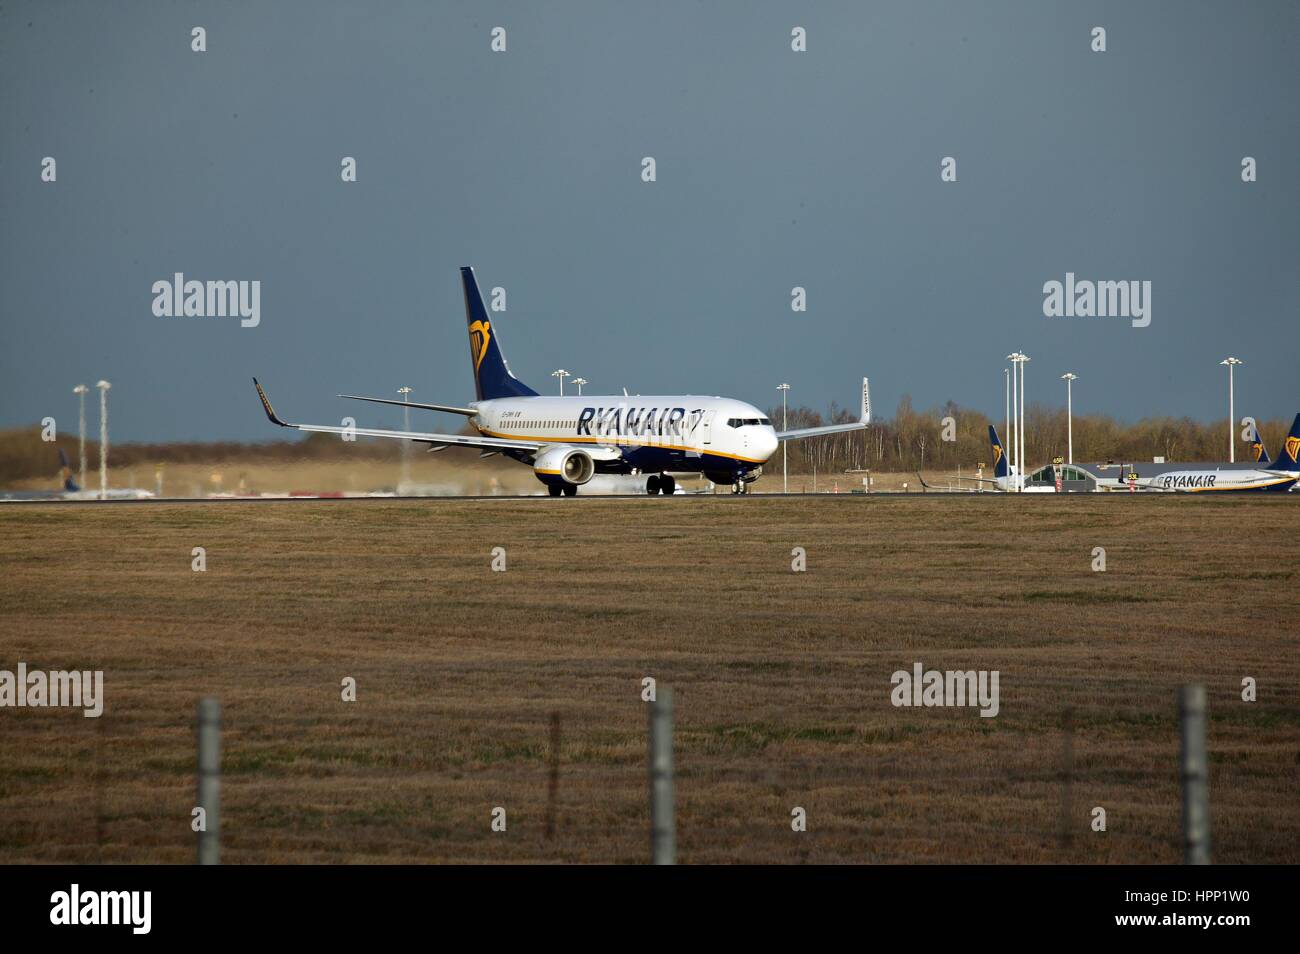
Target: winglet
{"x":866,"y":402}
{"x":266,"y":405}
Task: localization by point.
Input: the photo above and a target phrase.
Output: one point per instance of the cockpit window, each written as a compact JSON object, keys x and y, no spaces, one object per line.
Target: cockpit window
{"x":747,"y":421}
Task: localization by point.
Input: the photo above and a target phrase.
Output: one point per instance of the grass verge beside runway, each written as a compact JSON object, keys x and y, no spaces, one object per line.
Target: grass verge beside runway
{"x":782,"y":679}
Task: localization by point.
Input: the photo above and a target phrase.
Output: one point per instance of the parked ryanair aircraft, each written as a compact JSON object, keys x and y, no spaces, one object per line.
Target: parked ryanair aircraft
{"x":1261,"y":475}
{"x":1003,"y":479}
{"x":1279,"y":475}
{"x":1221,"y":476}
{"x":72,"y":490}
{"x":568,"y":440}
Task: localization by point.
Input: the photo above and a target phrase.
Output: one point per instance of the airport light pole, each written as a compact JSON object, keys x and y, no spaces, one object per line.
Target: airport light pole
{"x":561,"y":374}
{"x":785,"y":470}
{"x":1069,"y":378}
{"x":406,"y":445}
{"x":1006,"y":381}
{"x":1024,"y":456}
{"x":1013,"y":438}
{"x":80,"y":390}
{"x":103,"y":438}
{"x":1232,"y":413}
{"x":579,"y":382}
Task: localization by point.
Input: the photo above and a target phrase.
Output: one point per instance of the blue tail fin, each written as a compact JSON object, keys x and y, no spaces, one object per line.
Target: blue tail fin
{"x":1287,"y":457}
{"x":69,"y":484}
{"x":1000,"y":468}
{"x":492,"y":377}
{"x":1259,"y":450}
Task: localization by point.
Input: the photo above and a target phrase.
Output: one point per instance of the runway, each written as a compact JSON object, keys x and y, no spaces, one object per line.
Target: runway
{"x":368,"y":499}
{"x":195,"y":501}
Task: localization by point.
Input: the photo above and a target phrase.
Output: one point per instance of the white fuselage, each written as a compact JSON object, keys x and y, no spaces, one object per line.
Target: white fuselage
{"x":655,"y":432}
{"x":1197,"y":480}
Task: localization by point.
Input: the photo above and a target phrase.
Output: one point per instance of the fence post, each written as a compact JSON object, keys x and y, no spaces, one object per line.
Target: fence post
{"x":1195,"y":769}
{"x":210,"y":780}
{"x":663,"y":828}
{"x":99,"y":791}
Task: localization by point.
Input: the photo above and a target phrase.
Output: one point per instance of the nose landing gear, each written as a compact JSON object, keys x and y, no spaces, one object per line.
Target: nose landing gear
{"x":741,"y":484}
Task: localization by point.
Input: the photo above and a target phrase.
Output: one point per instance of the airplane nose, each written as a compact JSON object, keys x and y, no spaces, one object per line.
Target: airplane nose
{"x":767,"y":444}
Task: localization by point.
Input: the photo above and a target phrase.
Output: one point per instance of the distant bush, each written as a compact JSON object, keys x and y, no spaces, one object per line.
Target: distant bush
{"x":24,"y":455}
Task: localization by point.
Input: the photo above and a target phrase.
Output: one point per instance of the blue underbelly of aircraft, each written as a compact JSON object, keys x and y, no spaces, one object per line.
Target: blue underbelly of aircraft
{"x":654,"y":460}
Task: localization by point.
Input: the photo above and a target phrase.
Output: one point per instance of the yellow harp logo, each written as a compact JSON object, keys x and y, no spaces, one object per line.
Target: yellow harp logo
{"x":480,"y":333}
{"x":997,"y":456}
{"x":1293,"y":447}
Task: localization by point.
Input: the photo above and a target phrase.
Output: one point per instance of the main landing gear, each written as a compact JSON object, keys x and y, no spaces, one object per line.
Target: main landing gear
{"x":660,"y":484}
{"x":569,"y":490}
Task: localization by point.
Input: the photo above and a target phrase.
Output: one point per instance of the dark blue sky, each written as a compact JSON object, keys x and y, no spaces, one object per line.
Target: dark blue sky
{"x":775,"y":169}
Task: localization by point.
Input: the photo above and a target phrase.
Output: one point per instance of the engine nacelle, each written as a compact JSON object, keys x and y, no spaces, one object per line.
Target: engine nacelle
{"x":564,"y":463}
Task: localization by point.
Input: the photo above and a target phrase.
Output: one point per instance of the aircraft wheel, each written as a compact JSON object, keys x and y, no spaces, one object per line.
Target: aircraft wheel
{"x":652,"y":484}
{"x":738,"y":487}
{"x":570,"y":490}
{"x":667,"y":485}
{"x":555,"y":491}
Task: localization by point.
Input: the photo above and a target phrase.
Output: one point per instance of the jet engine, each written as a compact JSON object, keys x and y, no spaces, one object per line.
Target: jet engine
{"x":562,"y":462}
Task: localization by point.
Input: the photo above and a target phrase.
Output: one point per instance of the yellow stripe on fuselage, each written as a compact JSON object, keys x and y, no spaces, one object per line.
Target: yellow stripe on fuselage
{"x":1260,"y":486}
{"x":547,"y":439}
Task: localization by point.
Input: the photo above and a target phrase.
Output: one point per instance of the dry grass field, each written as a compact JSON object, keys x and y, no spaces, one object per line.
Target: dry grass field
{"x":782,"y":679}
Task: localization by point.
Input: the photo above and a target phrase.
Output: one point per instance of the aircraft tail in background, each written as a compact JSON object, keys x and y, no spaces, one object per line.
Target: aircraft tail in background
{"x":1001,"y":469}
{"x":1288,"y":457}
{"x":1259,"y":450}
{"x":65,"y":472}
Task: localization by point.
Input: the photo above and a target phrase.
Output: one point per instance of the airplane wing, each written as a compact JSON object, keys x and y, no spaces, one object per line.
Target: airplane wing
{"x":1141,"y":487}
{"x":857,"y":425}
{"x":945,"y":490}
{"x":444,"y":440}
{"x":450,"y":409}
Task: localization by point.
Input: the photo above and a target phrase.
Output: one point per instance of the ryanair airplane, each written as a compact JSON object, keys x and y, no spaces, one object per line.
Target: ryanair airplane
{"x":1262,"y":475}
{"x":1278,"y":476}
{"x":1004,"y":471}
{"x":568,"y":440}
